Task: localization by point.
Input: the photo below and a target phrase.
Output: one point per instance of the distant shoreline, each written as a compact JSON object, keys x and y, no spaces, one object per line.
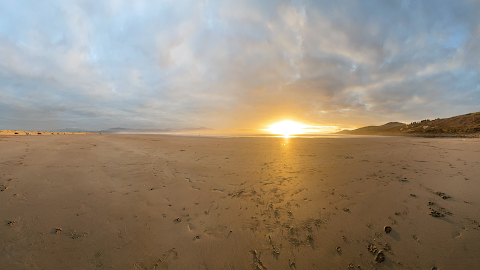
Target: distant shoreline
{"x":428,"y":135}
{"x":37,"y":133}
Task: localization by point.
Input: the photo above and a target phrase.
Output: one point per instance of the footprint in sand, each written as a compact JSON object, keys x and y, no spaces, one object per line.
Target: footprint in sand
{"x":217,"y":232}
{"x":456,"y":234}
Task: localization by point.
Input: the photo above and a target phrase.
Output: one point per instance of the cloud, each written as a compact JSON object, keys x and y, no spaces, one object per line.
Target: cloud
{"x":235,"y":64}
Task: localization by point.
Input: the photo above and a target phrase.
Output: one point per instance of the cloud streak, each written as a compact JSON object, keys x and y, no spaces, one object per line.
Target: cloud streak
{"x":231,"y":65}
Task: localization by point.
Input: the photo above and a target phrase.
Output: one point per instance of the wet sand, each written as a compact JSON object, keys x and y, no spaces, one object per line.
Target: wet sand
{"x":160,"y":202}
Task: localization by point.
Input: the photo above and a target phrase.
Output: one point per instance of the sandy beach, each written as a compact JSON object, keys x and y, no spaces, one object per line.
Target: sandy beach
{"x":163,"y":202}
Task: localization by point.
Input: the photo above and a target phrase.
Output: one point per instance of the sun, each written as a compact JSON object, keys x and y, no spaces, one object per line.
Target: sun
{"x":286,"y":128}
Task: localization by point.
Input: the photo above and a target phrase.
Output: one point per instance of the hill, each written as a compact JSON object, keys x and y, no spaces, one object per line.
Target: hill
{"x":372,"y":129}
{"x":457,"y":125}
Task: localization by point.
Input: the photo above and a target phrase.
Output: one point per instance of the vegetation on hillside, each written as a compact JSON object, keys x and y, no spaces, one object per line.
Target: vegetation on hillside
{"x":461,"y":124}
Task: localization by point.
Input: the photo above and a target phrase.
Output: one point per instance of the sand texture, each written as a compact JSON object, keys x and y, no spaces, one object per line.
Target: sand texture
{"x":159,"y":202}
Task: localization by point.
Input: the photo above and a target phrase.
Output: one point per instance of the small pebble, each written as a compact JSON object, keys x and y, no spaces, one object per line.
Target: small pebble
{"x":380,"y":257}
{"x":372,"y":248}
{"x":434,"y":213}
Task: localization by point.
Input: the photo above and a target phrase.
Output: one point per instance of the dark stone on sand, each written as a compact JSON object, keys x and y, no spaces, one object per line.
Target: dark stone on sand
{"x":58,"y":230}
{"x":413,"y":195}
{"x":339,"y":249}
{"x":177,"y":220}
{"x":434,"y":213}
{"x":431,"y":203}
{"x":380,"y":257}
{"x":442,"y":195}
{"x":11,"y":223}
{"x":387,"y":229}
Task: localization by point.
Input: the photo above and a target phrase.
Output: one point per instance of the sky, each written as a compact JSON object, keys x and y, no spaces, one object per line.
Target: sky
{"x":235,"y":65}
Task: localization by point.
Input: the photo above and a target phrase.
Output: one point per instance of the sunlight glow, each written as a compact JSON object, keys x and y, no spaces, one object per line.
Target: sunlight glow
{"x":287,"y":128}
